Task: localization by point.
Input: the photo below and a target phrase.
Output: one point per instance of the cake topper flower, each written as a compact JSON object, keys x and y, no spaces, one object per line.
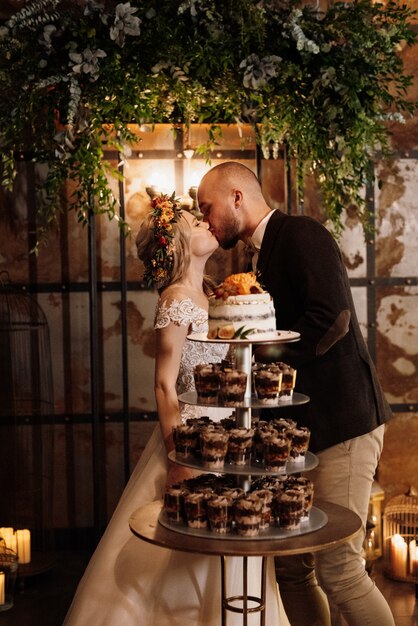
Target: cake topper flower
{"x":165,"y":211}
{"x":238,"y":285}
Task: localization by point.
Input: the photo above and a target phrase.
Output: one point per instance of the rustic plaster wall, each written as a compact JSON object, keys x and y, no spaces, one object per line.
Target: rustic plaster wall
{"x":65,"y":259}
{"x":397,"y":317}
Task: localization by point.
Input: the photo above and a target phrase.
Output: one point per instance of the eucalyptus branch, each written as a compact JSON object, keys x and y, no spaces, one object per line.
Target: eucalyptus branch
{"x":326,"y":83}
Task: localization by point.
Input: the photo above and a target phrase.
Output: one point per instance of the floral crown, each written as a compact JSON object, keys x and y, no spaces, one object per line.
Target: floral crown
{"x":165,"y":211}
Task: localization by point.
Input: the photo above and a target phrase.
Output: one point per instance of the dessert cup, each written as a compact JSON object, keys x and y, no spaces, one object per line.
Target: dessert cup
{"x":288,"y":508}
{"x":306,"y":486}
{"x":262,"y":430}
{"x":220,"y":513}
{"x":206,"y":380}
{"x":195,"y":510}
{"x":240,"y":444}
{"x":267,"y":384}
{"x":233,"y":384}
{"x":247,"y":516}
{"x":300,"y":444}
{"x":276,"y":452}
{"x":213,"y":447}
{"x":186,"y":439}
{"x":284,"y":427}
{"x":265,"y":496}
{"x":288,"y":382}
{"x":234,"y":493}
{"x":174,"y":503}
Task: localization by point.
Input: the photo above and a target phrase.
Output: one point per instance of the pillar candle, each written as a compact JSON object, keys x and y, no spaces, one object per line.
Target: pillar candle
{"x":370,"y":545}
{"x":399,"y":559}
{"x":8,"y":536}
{"x":413,"y":558}
{"x":12,"y":542}
{"x":23,"y":546}
{"x":2,"y":591}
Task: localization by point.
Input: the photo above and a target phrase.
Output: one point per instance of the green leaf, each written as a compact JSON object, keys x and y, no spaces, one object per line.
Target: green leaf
{"x":340,"y":74}
{"x":243,"y":333}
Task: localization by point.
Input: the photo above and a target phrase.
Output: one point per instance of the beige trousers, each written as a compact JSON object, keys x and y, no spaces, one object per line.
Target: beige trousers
{"x":344,"y":476}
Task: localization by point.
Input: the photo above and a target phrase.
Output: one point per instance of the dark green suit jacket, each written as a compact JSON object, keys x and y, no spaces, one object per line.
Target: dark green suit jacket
{"x":301,"y":266}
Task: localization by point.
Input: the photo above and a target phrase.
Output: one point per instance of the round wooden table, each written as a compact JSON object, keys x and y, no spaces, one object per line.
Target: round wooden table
{"x":342,"y":526}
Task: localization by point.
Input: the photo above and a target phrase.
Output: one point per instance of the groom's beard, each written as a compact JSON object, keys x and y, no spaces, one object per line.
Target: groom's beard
{"x":230,"y":235}
{"x":229,"y":243}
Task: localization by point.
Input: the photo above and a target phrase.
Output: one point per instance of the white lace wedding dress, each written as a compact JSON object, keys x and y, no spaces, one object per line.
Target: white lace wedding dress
{"x":130,"y":582}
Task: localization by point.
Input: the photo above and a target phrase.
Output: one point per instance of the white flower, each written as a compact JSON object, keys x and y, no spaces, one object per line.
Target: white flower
{"x":86,"y":62}
{"x":45,"y":39}
{"x":125,"y":23}
{"x":257,"y":72}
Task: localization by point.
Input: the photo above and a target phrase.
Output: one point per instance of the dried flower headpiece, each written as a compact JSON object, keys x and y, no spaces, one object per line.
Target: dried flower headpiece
{"x":165,"y":211}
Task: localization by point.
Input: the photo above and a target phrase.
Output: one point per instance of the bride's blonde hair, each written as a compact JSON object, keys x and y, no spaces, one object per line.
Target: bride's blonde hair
{"x":147,"y":247}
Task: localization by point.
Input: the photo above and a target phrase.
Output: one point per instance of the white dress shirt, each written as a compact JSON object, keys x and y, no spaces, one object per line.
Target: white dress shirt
{"x":256,"y":239}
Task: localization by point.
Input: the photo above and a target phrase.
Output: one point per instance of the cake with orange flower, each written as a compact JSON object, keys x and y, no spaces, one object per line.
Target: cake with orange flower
{"x":239,"y":309}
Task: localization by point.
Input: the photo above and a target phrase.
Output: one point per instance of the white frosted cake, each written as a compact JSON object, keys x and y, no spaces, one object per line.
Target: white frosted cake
{"x":249,"y":311}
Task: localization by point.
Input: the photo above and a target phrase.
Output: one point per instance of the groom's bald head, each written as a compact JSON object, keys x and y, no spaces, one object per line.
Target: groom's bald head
{"x":231,"y":201}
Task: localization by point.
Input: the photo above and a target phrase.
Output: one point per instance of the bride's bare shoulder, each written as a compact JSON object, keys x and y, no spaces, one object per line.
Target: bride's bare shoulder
{"x":175,"y":292}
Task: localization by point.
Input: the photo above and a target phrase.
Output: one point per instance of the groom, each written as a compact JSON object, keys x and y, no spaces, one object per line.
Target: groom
{"x":300,"y":264}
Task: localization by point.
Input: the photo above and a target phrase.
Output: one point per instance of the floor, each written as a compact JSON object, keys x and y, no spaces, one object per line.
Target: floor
{"x":43,"y":601}
{"x":402,"y":597}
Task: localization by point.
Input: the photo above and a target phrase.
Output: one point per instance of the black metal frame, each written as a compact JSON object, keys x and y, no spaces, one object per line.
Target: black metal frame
{"x":96,"y":418}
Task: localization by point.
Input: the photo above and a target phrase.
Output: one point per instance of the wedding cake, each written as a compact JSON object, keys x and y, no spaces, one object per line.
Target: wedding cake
{"x":240,"y":308}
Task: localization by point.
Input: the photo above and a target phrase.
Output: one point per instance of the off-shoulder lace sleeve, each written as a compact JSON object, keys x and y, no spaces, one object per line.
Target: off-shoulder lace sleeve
{"x":179,"y":312}
{"x":187,"y":313}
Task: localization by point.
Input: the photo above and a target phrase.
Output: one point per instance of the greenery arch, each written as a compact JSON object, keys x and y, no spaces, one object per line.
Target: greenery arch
{"x":75,"y":73}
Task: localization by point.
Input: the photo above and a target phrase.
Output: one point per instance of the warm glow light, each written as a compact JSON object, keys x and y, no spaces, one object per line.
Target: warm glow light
{"x":23,"y":545}
{"x":7,"y":534}
{"x":194,"y":173}
{"x":9,"y":537}
{"x":162,"y":178}
{"x":413,"y":558}
{"x":399,"y":556}
{"x":2,"y":590}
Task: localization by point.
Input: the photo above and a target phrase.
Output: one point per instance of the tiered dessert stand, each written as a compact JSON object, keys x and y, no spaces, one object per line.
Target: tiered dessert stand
{"x":328,"y":524}
{"x":243,"y":417}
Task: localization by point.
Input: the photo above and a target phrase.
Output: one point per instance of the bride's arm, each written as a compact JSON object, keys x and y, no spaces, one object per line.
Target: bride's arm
{"x":170,"y":340}
{"x":169,"y":344}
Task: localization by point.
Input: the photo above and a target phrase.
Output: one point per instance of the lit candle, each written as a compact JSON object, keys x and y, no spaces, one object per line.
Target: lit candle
{"x":23,"y":546}
{"x":12,"y":542}
{"x":8,"y":536}
{"x":2,"y":593}
{"x":370,"y":545}
{"x":399,"y":552}
{"x":413,"y":558}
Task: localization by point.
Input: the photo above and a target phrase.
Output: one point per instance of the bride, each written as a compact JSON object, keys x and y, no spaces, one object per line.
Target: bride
{"x":129,"y":581}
